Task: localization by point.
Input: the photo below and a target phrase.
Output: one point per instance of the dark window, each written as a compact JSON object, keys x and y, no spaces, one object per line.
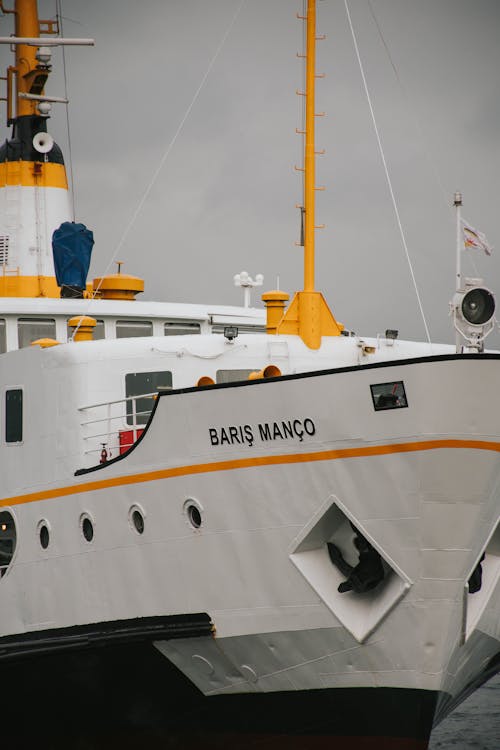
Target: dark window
{"x":194,"y":516}
{"x":129,"y":328}
{"x":44,"y":536}
{"x":87,"y":529}
{"x":138,"y":384}
{"x":232,"y":376}
{"x":180,"y":329}
{"x":389,"y":395}
{"x":3,"y":337}
{"x":14,"y":416}
{"x":32,"y":329}
{"x":7,"y":540}
{"x":138,"y":521}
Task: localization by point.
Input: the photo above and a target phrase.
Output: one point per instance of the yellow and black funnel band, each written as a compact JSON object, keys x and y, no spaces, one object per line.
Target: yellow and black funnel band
{"x":20,"y":146}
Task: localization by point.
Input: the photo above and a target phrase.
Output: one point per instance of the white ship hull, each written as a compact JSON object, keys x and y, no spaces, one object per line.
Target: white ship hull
{"x":276,"y":469}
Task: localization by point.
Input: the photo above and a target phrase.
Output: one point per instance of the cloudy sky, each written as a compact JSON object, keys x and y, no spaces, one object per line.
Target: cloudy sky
{"x":224,"y":199}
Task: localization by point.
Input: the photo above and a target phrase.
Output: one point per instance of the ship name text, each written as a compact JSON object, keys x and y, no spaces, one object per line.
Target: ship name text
{"x":246,"y":434}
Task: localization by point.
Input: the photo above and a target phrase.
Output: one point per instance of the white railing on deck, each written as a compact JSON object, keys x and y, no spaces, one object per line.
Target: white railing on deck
{"x":103,"y":422}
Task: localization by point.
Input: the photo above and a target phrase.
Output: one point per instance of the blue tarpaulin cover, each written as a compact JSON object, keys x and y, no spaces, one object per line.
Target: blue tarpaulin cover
{"x":72,"y":247}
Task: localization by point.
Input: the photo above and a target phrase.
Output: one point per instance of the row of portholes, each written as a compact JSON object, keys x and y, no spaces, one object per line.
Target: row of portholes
{"x":8,"y":534}
{"x":136,"y":520}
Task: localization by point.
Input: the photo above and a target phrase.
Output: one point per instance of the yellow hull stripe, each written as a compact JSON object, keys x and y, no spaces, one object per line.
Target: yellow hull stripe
{"x":248,"y":463}
{"x":31,"y":174}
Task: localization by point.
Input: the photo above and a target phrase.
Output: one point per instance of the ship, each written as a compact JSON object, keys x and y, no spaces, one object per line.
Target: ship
{"x":227,"y":537}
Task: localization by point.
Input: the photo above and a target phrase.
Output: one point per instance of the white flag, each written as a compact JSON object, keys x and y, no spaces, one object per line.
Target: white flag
{"x":475,"y":239}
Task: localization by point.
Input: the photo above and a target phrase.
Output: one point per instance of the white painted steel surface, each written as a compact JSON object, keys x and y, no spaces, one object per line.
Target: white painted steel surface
{"x":430,"y":509}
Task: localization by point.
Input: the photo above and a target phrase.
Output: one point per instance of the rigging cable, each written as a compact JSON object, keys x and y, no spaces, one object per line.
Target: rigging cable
{"x":386,"y":170}
{"x":59,"y":17}
{"x":172,"y":142}
{"x":163,"y":159}
{"x":445,"y":195}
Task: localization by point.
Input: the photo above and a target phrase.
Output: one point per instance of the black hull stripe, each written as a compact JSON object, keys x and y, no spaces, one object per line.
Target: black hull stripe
{"x":98,"y":695}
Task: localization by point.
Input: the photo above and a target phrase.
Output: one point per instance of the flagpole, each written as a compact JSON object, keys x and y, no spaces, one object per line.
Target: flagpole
{"x":457,"y":202}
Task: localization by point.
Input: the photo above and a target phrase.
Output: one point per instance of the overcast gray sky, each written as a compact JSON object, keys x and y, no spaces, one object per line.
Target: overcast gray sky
{"x":225,"y":198}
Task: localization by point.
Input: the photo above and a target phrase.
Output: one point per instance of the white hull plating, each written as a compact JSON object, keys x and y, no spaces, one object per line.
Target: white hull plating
{"x":421,"y":483}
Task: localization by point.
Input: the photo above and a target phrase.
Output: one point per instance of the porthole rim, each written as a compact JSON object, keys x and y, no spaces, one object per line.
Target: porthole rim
{"x":41,"y":523}
{"x":139,"y":509}
{"x":189,"y":503}
{"x":83,"y":517}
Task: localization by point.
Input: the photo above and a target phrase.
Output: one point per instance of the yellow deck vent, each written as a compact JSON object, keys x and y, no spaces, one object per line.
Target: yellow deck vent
{"x":271,"y":371}
{"x":82,"y":327}
{"x":118,"y":285}
{"x":275,"y":308}
{"x":45,"y":343}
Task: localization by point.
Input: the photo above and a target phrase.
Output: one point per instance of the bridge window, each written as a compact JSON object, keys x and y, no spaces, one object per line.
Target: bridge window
{"x":180,"y":328}
{"x":138,"y":384}
{"x":3,"y":337}
{"x":14,"y":416}
{"x":389,"y":395}
{"x":232,"y":376}
{"x":129,"y":328}
{"x":31,"y":329}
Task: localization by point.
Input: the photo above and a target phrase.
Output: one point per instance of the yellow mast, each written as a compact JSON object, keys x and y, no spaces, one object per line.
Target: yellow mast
{"x":30,"y":79}
{"x":309,"y":155}
{"x":309,"y":315}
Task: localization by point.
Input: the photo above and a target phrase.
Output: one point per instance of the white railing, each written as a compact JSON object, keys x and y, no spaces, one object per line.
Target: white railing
{"x":103,"y":423}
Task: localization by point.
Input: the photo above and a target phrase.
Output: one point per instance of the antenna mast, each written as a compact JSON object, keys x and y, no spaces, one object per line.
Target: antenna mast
{"x":309,"y":315}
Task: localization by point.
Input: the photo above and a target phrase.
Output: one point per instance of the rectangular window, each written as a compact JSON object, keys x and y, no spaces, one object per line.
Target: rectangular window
{"x":129,"y":328}
{"x":3,"y":336}
{"x":179,"y":329}
{"x":138,"y":384}
{"x":389,"y":395}
{"x":31,"y":329}
{"x":14,"y":415}
{"x":232,"y":376}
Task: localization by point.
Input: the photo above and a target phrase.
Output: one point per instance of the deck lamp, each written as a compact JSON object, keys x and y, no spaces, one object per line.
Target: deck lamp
{"x":473,"y":310}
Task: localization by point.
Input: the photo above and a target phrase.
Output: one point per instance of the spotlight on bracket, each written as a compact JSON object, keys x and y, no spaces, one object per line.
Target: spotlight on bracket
{"x":230,"y":333}
{"x":473,"y":310}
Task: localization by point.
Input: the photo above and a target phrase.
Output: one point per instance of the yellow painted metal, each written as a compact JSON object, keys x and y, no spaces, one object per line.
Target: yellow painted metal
{"x":118,"y":286}
{"x":45,"y":343}
{"x":275,"y":307}
{"x":309,"y":315}
{"x":29,"y":174}
{"x":27,"y":25}
{"x":205,"y":380}
{"x":13,"y":285}
{"x":309,"y":155}
{"x":271,"y":371}
{"x":84,"y":326}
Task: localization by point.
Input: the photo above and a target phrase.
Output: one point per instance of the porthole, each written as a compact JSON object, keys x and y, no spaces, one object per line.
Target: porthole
{"x":87,"y":528}
{"x":136,"y":519}
{"x":8,"y":537}
{"x":193,"y":510}
{"x":43,"y":534}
